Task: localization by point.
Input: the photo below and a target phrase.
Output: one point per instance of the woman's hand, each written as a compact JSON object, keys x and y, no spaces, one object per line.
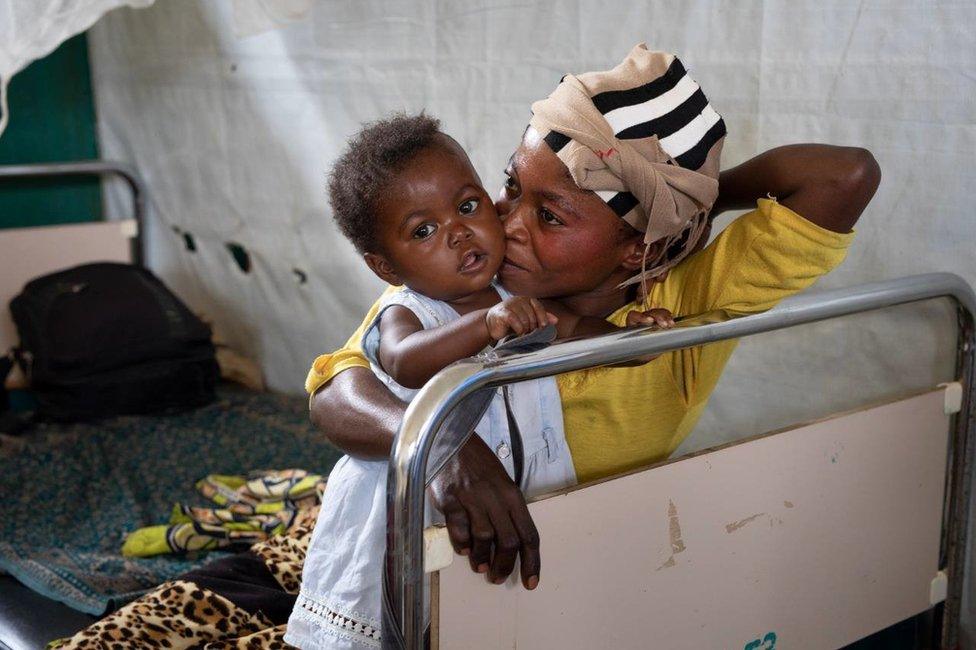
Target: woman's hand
{"x":486,"y":515}
{"x":658,"y":318}
{"x":517,"y":315}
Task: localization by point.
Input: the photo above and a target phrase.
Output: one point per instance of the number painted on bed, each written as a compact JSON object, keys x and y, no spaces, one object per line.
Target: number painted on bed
{"x":768,"y":642}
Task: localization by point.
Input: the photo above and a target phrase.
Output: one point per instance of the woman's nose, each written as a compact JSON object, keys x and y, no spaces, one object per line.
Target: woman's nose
{"x":514,"y":223}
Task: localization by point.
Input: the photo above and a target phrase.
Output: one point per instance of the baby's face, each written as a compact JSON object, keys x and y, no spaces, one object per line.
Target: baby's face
{"x":438,"y":229}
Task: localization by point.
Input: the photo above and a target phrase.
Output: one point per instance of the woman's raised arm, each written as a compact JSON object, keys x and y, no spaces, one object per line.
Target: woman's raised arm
{"x":828,"y":185}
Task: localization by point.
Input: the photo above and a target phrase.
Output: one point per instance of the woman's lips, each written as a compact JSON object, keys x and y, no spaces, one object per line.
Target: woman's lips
{"x":509,"y":266}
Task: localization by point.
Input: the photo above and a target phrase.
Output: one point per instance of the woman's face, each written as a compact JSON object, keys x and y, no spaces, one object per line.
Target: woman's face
{"x":561,"y":241}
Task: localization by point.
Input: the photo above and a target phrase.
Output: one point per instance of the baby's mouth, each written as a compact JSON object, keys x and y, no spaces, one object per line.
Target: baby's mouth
{"x":472,"y":261}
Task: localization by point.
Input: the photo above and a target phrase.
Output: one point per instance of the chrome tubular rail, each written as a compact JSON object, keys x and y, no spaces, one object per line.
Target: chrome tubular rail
{"x":93,"y":168}
{"x":403,"y":615}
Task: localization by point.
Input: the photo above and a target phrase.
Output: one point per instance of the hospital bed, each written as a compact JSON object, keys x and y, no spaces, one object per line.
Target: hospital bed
{"x":810,"y":537}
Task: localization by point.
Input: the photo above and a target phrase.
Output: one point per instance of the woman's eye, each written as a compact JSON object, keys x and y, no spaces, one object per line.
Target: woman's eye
{"x":510,"y":182}
{"x":468,"y":206}
{"x":424,"y":231}
{"x":549,"y":217}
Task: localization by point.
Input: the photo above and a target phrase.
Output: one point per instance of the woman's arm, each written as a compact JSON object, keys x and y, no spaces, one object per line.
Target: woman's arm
{"x":358,"y":414}
{"x":828,"y":185}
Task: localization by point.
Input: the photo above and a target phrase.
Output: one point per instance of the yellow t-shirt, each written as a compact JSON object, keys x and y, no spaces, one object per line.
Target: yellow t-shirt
{"x":621,"y":418}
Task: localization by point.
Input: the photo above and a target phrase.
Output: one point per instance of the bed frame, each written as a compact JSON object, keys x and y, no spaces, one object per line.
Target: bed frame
{"x":26,"y":253}
{"x":812,"y":537}
{"x":27,"y":619}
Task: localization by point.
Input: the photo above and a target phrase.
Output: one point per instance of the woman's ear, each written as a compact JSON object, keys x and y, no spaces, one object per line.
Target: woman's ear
{"x":382,"y":268}
{"x":635,"y":250}
{"x":634,"y":258}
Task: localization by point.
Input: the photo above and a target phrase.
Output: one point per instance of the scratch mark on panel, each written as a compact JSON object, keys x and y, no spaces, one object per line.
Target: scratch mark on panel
{"x":667,"y":565}
{"x":736,"y":525}
{"x":677,"y":544}
{"x":674,"y":531}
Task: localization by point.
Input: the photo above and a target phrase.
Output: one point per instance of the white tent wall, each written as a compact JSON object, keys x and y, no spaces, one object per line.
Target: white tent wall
{"x":235,"y":135}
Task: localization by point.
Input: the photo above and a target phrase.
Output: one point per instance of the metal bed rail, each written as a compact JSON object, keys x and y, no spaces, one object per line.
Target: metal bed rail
{"x":432,"y":425}
{"x":94,"y":168}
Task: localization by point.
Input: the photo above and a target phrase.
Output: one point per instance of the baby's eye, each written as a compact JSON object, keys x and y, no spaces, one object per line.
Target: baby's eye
{"x":549,"y":217}
{"x":424,"y":231}
{"x":468,"y":206}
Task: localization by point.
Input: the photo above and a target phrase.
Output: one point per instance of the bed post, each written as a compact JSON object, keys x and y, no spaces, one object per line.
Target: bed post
{"x":959,"y":482}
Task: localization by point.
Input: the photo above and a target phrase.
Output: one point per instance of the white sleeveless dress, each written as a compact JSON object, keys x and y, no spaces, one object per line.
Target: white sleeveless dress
{"x":339,"y":605}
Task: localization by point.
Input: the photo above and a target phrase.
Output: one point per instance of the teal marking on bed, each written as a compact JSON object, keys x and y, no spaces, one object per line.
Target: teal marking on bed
{"x":768,"y":642}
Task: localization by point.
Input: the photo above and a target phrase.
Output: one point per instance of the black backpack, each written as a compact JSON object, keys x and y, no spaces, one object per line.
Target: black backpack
{"x":108,"y":339}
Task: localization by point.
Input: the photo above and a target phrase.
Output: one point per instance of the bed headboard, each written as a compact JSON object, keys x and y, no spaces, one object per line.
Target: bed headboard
{"x":26,"y":253}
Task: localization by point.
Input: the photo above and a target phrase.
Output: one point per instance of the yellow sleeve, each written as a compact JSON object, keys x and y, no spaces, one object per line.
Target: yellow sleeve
{"x":327,"y":366}
{"x":759,"y":259}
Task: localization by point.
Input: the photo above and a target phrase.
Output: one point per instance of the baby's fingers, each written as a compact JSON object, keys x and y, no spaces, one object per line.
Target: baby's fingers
{"x":527,"y":313}
{"x":663,"y":319}
{"x":656,"y":317}
{"x":542,"y":317}
{"x":516,"y":321}
{"x":636,"y":319}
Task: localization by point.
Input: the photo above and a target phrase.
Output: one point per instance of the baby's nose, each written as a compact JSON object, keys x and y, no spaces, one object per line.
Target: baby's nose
{"x":460,"y":233}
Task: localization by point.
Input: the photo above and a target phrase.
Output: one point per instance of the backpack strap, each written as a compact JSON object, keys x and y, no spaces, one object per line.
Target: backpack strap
{"x":515,"y":437}
{"x":535,"y":340}
{"x":6,"y":365}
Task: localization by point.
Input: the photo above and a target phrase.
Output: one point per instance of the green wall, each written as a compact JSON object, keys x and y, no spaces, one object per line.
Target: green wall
{"x":52,"y":119}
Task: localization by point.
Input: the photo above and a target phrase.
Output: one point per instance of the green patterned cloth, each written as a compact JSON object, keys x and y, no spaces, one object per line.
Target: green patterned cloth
{"x":69,"y":494}
{"x":253,"y":508}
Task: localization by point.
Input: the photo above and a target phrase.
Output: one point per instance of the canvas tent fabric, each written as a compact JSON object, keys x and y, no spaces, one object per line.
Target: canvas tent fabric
{"x":235,"y":136}
{"x":234,"y":118}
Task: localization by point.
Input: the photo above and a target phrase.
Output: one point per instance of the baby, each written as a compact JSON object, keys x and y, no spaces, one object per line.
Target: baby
{"x":409,"y":199}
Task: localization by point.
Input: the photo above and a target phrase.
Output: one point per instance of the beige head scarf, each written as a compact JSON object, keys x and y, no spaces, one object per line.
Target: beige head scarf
{"x":645,"y":139}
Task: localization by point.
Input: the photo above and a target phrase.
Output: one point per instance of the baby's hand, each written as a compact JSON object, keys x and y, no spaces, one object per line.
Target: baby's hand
{"x":518,"y":315}
{"x":660,"y":318}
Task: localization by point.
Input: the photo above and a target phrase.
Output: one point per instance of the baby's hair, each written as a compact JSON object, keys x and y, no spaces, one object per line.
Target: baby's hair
{"x":373,"y":156}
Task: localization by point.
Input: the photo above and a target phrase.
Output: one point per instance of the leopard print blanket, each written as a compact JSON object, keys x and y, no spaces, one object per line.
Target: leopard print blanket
{"x":180,"y":614}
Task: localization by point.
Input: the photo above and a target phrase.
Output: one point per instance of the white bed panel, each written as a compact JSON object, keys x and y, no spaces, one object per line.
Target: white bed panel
{"x":810,"y":538}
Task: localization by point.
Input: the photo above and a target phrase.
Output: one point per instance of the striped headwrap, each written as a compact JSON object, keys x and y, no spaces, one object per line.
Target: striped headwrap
{"x":644,"y":138}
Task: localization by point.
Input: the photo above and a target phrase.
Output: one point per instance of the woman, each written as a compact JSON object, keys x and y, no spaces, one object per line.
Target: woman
{"x":566,"y":241}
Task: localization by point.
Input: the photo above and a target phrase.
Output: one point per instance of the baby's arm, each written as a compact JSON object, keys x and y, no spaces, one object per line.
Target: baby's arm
{"x":412,"y":355}
{"x":573,"y":325}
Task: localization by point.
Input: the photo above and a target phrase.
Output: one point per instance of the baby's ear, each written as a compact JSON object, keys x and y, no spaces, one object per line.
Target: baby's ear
{"x":382,"y":268}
